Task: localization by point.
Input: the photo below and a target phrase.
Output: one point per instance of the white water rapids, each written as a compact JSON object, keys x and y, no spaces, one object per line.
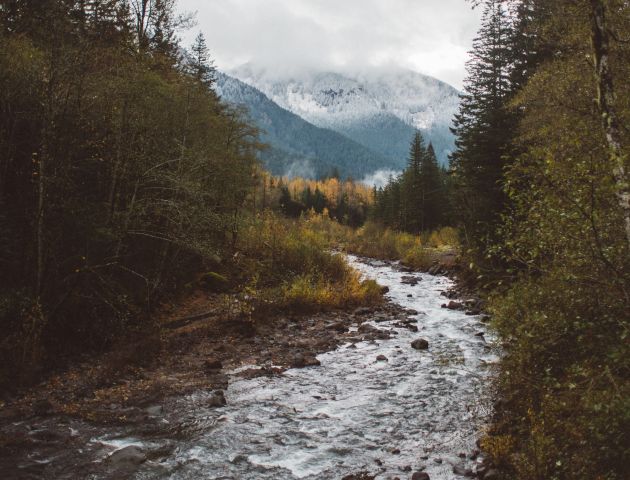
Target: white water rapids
{"x":419,"y":410}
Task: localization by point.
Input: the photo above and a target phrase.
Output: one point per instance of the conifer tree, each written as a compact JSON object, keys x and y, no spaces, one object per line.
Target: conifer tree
{"x":484,"y":127}
{"x":202,"y":68}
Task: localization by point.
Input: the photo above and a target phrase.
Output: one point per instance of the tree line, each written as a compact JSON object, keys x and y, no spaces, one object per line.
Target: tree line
{"x":418,"y":200}
{"x":120,"y":172}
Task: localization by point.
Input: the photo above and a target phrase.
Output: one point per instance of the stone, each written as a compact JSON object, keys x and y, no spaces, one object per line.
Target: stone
{"x":452,"y":305}
{"x":381,"y":358}
{"x":127,"y":457}
{"x":338,"y":327}
{"x":217,"y":399}
{"x":420,"y":476}
{"x":305,"y":360}
{"x":420,"y":344}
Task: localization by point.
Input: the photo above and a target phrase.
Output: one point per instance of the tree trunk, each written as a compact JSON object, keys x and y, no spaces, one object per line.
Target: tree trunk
{"x":606,"y":103}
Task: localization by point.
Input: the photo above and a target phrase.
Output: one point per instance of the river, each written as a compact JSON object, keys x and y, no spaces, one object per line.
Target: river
{"x":415,"y":410}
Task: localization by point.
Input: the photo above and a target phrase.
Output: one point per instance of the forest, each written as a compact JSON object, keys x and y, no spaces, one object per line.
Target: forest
{"x":127,"y":184}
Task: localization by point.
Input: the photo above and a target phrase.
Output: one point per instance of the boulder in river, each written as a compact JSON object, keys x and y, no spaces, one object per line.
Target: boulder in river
{"x":381,"y":358}
{"x":420,"y":344}
{"x":338,"y":327}
{"x":420,"y":476}
{"x":126,"y":457}
{"x":452,"y":305}
{"x":302,"y":360}
{"x":409,"y":280}
{"x":217,"y":399}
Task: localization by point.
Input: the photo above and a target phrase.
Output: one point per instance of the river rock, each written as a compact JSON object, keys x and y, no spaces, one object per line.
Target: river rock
{"x":420,"y":344}
{"x":409,"y":280}
{"x":363,"y":311}
{"x":338,"y":327}
{"x":126,"y":457}
{"x":452,"y":305}
{"x":217,"y":399}
{"x":381,"y":358}
{"x":302,"y":360}
{"x":420,"y":476}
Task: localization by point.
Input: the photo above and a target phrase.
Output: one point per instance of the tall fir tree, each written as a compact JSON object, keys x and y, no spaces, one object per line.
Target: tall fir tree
{"x":484,"y":127}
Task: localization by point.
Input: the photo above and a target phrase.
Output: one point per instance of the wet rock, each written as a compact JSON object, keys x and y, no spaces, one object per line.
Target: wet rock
{"x":420,"y":344}
{"x":420,"y":476}
{"x":302,"y":360}
{"x":217,"y":399}
{"x":381,"y":358}
{"x":212,"y":364}
{"x":479,"y":334}
{"x":409,"y":280}
{"x":359,"y":476}
{"x":452,"y":305}
{"x":338,"y":327}
{"x":409,"y":295}
{"x":384,"y":290}
{"x":126,"y":457}
{"x":411,"y":311}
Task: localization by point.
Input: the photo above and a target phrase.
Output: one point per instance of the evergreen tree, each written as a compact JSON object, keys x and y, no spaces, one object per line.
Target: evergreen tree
{"x":202,"y":68}
{"x":484,"y":127}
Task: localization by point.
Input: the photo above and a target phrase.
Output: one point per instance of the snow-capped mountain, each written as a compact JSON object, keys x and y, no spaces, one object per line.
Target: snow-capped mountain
{"x":379,"y":108}
{"x":297,"y":147}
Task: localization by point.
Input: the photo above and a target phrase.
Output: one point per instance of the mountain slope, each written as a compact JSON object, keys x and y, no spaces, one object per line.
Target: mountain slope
{"x":378,"y":108}
{"x":296,"y":146}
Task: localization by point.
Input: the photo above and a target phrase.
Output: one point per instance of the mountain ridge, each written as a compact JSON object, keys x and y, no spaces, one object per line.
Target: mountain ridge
{"x":378,"y":108}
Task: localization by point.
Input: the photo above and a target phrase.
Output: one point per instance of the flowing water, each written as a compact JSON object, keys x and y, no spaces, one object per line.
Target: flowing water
{"x":419,"y":410}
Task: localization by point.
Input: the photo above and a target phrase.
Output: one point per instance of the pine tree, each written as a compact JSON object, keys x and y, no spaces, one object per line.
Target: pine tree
{"x":484,"y":128}
{"x":202,"y":68}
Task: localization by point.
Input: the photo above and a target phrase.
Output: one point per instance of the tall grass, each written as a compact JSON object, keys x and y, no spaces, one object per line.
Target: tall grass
{"x":376,"y":241}
{"x":288,"y":264}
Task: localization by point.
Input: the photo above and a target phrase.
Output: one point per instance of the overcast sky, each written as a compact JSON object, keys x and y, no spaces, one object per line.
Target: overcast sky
{"x":289,"y":36}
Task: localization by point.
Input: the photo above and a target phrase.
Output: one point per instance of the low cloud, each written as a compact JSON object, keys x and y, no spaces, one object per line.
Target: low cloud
{"x":292,"y":36}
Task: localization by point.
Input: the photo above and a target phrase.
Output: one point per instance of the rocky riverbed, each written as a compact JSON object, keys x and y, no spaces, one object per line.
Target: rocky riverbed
{"x":396,"y":391}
